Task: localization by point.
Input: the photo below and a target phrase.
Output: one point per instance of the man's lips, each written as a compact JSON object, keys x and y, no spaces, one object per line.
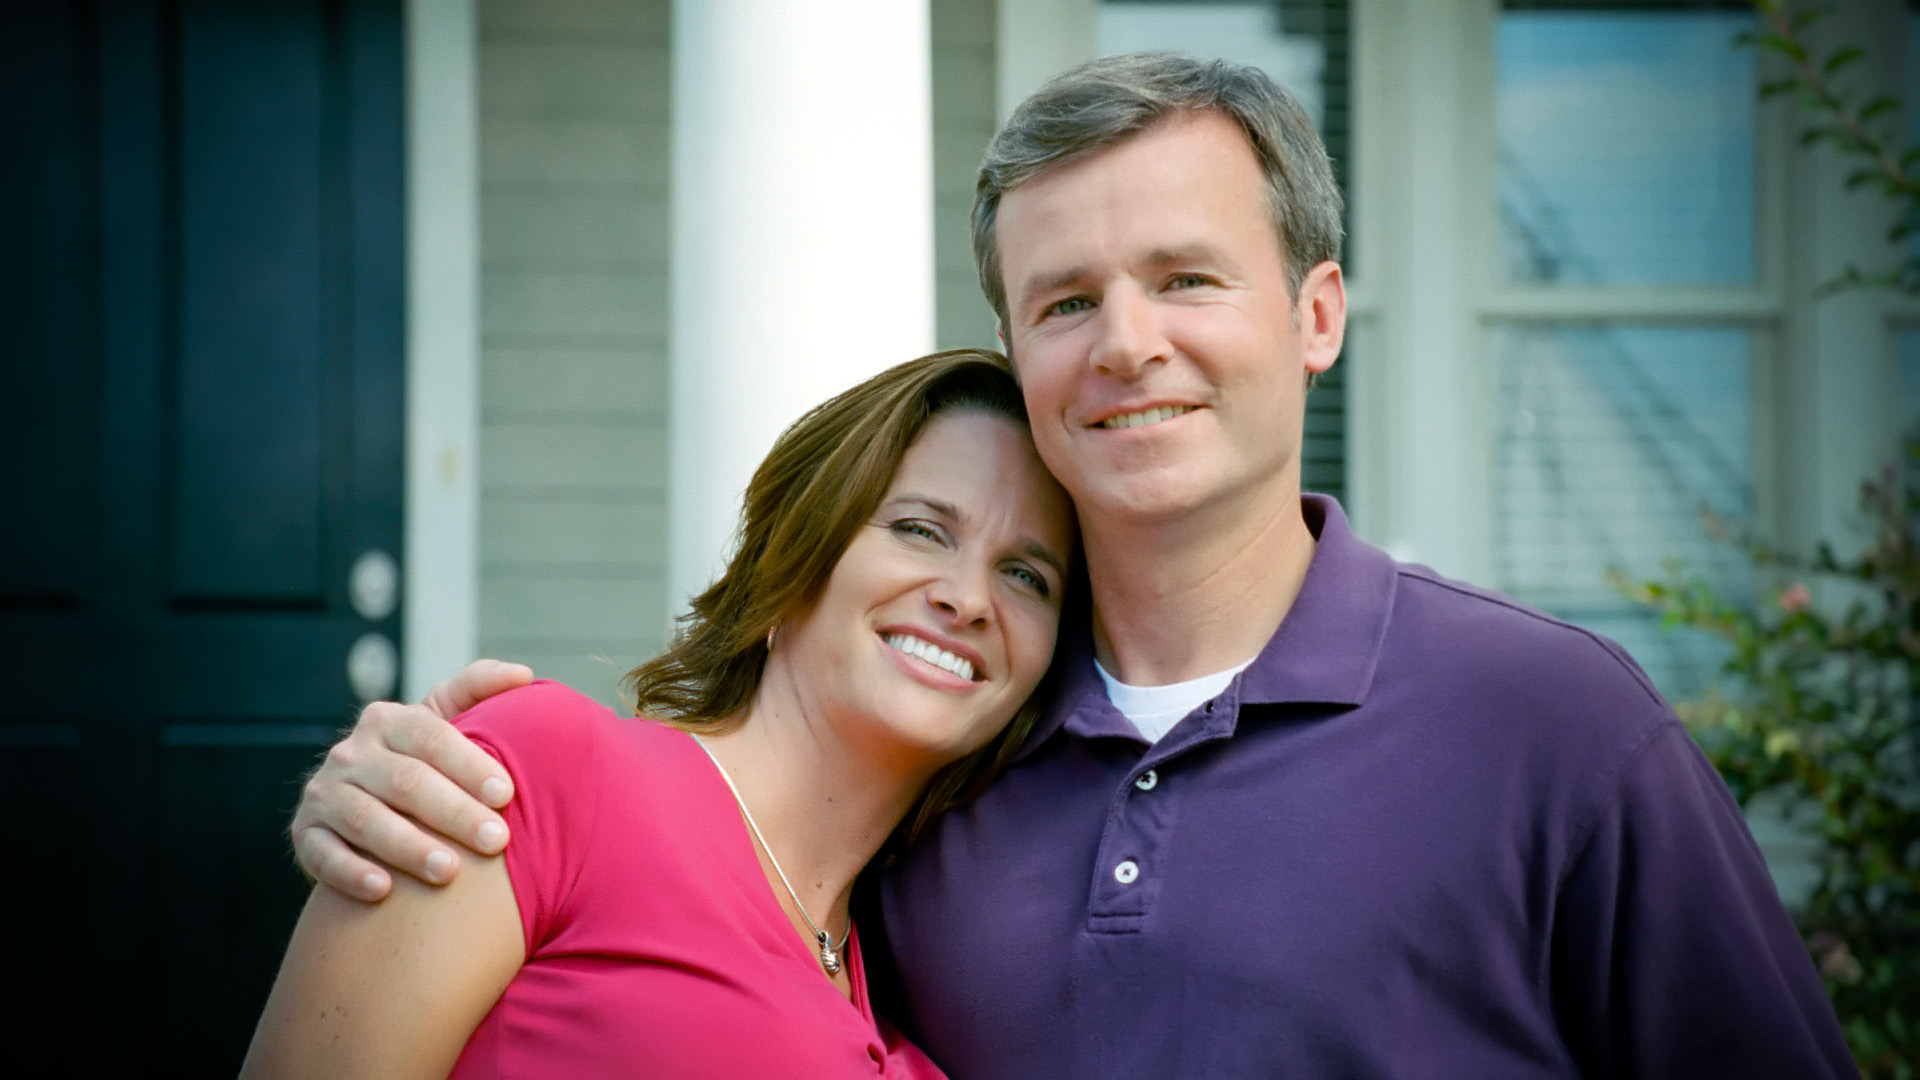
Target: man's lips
{"x":1142,"y":417}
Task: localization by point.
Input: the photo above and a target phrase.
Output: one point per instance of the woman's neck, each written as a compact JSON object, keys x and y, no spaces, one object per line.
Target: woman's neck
{"x":823,"y":808}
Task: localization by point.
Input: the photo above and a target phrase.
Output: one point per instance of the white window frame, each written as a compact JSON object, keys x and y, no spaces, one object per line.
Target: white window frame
{"x":1431,"y":287}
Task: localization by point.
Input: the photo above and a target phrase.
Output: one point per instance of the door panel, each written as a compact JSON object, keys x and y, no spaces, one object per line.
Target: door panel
{"x":251,"y":321}
{"x":202,"y":285}
{"x":47,"y":307}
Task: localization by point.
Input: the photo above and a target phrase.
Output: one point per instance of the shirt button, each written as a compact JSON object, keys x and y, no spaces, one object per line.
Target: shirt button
{"x":1147,"y":781}
{"x":1127,"y":872}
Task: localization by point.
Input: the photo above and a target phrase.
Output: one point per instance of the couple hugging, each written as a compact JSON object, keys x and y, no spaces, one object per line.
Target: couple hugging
{"x":1146,"y":765}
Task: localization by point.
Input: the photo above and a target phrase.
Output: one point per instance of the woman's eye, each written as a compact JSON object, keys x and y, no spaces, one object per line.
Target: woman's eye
{"x":915,"y":527}
{"x":1031,"y":578}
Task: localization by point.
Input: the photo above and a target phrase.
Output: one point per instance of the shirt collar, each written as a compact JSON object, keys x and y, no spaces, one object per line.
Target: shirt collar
{"x":1325,"y":651}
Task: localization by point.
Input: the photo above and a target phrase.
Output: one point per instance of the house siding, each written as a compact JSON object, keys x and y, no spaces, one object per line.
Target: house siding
{"x":963,"y":121}
{"x":575,"y":237}
{"x":575,"y":250}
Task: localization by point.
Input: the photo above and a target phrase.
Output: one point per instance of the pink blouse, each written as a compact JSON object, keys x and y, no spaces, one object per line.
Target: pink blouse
{"x":655,"y":944}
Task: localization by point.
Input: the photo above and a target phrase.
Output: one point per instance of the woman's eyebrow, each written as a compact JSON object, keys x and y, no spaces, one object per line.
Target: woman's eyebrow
{"x":1038,"y":551}
{"x":1032,"y":548}
{"x":938,"y":506}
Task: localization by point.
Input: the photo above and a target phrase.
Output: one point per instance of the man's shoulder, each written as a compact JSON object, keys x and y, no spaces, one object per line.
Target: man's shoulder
{"x":1484,"y":642}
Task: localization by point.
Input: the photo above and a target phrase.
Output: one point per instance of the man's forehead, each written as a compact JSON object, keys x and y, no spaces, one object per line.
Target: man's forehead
{"x":1046,"y":207}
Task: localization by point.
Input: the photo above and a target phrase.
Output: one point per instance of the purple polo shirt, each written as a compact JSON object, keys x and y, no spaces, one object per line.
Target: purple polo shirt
{"x":1427,"y":833}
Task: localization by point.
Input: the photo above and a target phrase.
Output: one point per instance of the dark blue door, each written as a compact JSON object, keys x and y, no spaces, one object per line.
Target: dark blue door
{"x":200,"y":312}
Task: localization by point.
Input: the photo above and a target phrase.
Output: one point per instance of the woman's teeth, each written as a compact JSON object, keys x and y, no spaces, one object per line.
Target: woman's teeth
{"x":932,"y":654}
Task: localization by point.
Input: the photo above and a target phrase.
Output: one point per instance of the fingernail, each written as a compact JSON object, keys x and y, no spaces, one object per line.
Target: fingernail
{"x":370,"y":885}
{"x":439,"y":865}
{"x":493,"y":836}
{"x":495,"y":791}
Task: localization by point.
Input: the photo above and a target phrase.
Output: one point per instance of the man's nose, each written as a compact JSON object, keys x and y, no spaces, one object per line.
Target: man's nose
{"x":1130,"y":334}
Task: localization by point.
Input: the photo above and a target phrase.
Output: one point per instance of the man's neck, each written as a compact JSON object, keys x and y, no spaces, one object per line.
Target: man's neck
{"x":1183,"y":599}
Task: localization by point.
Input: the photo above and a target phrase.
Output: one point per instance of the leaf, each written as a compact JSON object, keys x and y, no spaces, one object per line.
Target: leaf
{"x":1864,"y":176}
{"x":1776,"y":87}
{"x":1876,"y":107}
{"x":1781,"y":742}
{"x":1808,"y":16}
{"x":1815,"y":134}
{"x":1787,"y":47}
{"x":1842,"y":59}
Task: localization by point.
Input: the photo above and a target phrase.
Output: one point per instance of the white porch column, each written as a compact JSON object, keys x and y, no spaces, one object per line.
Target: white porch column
{"x":1422,"y":476}
{"x":802,"y":234}
{"x":441,"y":568}
{"x":1034,"y":40}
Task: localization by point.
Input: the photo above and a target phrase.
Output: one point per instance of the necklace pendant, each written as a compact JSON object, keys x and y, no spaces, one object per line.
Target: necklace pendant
{"x":829,"y":959}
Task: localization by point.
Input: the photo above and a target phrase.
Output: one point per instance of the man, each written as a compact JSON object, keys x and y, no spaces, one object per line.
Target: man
{"x":1297,"y":809}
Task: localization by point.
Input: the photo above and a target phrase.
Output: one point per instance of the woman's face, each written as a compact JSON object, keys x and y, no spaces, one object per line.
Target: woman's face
{"x":939,"y":619}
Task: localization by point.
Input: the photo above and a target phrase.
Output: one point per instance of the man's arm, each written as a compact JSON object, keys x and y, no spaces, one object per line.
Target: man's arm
{"x":1672,"y":954}
{"x":400,"y":768}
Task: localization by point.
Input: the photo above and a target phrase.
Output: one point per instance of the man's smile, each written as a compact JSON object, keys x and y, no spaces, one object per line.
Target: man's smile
{"x":1147,"y":416}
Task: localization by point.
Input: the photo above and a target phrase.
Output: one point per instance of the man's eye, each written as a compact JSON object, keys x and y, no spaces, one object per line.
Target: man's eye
{"x":1187,"y":281}
{"x":1072,"y":305}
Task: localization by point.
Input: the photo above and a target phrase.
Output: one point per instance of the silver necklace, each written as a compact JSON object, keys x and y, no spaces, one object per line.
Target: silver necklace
{"x":829,"y":952}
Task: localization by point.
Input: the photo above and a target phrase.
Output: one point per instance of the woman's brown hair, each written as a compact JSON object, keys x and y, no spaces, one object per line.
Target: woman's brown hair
{"x":824,"y":478}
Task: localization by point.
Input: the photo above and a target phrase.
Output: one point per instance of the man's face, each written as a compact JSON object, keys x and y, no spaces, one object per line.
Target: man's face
{"x":1163,"y":360}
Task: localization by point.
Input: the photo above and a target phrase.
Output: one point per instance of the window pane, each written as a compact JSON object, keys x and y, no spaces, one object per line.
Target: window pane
{"x":1909,"y":349}
{"x":1244,"y":32}
{"x":1626,"y":150}
{"x":1612,"y":440}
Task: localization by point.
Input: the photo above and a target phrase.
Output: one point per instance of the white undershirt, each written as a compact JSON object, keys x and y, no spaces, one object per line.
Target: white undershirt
{"x":1155,"y":709}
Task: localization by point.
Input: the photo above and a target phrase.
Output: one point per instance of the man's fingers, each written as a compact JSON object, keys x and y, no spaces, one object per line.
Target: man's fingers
{"x":455,"y":773}
{"x":475,"y":683}
{"x":370,"y":824}
{"x":332,"y":863}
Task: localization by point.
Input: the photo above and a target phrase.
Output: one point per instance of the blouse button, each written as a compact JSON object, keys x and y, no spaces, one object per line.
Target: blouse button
{"x":1147,"y":781}
{"x":1127,"y":872}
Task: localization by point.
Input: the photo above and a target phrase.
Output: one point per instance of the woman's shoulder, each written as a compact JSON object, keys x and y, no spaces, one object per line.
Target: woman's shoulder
{"x":541,"y":698}
{"x":549,"y":727}
{"x":589,"y":785}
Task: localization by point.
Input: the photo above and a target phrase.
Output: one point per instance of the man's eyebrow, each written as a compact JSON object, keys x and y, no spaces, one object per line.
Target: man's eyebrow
{"x":1189,"y":253}
{"x":1048,"y":282}
{"x":1198,"y":252}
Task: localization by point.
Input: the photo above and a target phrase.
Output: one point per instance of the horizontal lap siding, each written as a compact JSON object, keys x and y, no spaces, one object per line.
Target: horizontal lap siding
{"x":963,"y":121}
{"x":575,"y":247}
{"x":575,"y":238}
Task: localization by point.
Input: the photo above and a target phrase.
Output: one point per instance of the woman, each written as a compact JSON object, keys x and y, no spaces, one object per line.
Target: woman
{"x":675,"y":902}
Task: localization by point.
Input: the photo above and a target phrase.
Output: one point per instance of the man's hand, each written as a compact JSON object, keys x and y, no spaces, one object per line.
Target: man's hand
{"x":402,"y":762}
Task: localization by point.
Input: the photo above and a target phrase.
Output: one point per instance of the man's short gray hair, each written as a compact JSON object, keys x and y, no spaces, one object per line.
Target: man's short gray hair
{"x":1107,"y":101}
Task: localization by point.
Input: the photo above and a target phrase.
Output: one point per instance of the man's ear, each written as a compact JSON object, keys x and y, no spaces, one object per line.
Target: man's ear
{"x":1322,"y":310}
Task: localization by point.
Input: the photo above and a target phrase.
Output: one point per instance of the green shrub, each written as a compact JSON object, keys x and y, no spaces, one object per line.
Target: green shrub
{"x":1818,"y":705}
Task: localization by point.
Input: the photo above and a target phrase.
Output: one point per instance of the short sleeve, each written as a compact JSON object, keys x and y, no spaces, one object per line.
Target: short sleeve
{"x":549,"y":737}
{"x":1672,"y":954}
